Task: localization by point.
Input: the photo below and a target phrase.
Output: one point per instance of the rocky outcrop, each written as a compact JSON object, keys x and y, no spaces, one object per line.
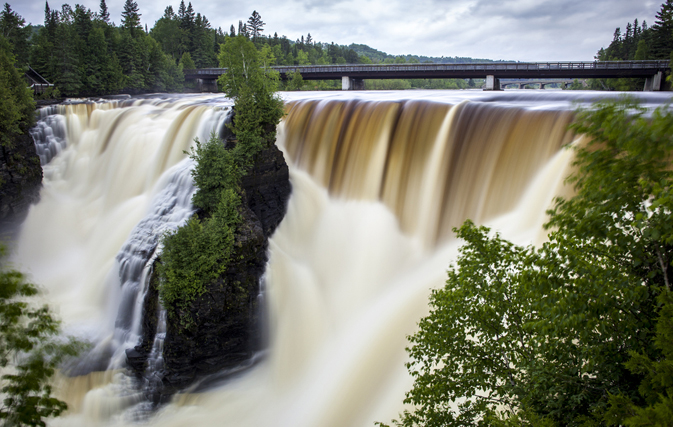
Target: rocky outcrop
{"x":226,"y":332}
{"x":20,"y":178}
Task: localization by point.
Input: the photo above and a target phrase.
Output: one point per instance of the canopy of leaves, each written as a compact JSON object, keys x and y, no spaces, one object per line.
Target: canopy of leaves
{"x":575,"y":332}
{"x":252,"y":84}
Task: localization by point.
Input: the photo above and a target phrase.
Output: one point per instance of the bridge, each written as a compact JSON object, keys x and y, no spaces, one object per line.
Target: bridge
{"x":353,"y":76}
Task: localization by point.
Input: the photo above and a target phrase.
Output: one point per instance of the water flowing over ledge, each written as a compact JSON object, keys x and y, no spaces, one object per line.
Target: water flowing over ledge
{"x":378,"y":182}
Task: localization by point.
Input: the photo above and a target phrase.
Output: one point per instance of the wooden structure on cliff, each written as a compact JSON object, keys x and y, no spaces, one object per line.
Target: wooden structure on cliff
{"x":36,"y":82}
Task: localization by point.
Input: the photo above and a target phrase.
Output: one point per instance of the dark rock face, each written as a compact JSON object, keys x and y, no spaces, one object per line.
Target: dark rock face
{"x":20,"y":178}
{"x":227,"y":331}
{"x":267,"y":188}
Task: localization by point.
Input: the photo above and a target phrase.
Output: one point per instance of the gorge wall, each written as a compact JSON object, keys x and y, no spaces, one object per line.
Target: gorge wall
{"x":20,"y":178}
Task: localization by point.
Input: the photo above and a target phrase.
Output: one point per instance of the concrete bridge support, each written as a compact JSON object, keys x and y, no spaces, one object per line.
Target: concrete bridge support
{"x":206,"y":85}
{"x":653,"y":83}
{"x":349,"y":83}
{"x":492,"y":83}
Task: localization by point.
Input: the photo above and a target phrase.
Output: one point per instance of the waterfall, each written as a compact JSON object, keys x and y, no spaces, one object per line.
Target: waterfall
{"x":379,"y":180}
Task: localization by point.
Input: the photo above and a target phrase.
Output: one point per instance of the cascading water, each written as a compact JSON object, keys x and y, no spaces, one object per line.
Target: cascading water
{"x":378,"y":182}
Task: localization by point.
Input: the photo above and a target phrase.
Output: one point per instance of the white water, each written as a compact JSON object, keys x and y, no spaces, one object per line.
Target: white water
{"x":345,"y":285}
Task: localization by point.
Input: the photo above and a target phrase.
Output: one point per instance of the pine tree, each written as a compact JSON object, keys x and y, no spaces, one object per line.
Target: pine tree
{"x":663,"y":31}
{"x":189,"y":16}
{"x":182,"y":13}
{"x":42,"y":54}
{"x":232,"y":31}
{"x":13,"y":28}
{"x":50,"y":21}
{"x":255,"y":24}
{"x":614,"y":51}
{"x":131,"y":17}
{"x":103,"y":14}
{"x":95,"y":63}
{"x":67,"y":76}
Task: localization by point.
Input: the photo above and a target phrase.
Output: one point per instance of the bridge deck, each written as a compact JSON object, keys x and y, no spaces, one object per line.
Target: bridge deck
{"x":534,"y":70}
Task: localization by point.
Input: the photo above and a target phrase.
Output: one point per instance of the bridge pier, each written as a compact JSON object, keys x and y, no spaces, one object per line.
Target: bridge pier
{"x":653,"y":83}
{"x":492,"y":83}
{"x":349,"y":83}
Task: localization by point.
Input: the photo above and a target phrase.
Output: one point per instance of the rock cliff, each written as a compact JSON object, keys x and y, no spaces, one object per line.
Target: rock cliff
{"x":20,"y":178}
{"x":227,"y":330}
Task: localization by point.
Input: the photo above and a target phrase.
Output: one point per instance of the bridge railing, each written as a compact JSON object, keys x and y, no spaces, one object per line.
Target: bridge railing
{"x":487,"y":68}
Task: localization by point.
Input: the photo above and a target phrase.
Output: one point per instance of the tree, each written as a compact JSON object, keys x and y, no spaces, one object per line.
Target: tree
{"x":255,"y":24}
{"x":43,"y":57}
{"x":16,"y":101}
{"x":67,"y":76}
{"x":103,"y":13}
{"x":167,"y":32}
{"x":642,"y":52}
{"x":131,"y":17}
{"x":203,"y":53}
{"x":186,"y":62}
{"x":296,"y":82}
{"x":30,"y":351}
{"x":663,"y":31}
{"x":12,"y":27}
{"x":569,"y":333}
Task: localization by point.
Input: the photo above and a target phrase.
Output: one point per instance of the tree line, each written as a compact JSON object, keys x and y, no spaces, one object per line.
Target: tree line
{"x":83,"y":53}
{"x":638,"y":42}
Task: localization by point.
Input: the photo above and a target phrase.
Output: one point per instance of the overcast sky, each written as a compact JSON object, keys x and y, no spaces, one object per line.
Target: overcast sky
{"x":521,"y":30}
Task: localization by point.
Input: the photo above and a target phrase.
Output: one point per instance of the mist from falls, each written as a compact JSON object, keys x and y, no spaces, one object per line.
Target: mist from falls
{"x":378,"y":181}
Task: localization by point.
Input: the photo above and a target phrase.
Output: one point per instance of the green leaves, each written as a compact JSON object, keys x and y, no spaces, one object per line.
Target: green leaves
{"x":252,"y":84}
{"x":30,"y":351}
{"x":199,"y":252}
{"x":577,"y":332}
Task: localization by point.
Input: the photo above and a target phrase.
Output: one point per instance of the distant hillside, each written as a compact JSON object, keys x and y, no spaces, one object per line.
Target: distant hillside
{"x":381,"y":57}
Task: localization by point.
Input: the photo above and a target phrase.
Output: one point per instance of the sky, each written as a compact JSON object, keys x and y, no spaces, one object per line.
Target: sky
{"x":519,"y":30}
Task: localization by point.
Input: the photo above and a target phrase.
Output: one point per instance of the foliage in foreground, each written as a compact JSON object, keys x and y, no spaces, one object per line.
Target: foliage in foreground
{"x":577,"y":332}
{"x":198,"y":253}
{"x":30,"y":351}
